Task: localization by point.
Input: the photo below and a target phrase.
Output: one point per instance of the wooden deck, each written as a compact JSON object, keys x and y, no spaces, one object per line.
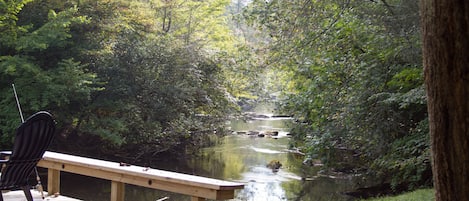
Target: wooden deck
{"x":19,"y":196}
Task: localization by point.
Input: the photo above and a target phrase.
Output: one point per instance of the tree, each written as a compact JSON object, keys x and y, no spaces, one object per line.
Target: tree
{"x":37,"y":56}
{"x":445,"y":29}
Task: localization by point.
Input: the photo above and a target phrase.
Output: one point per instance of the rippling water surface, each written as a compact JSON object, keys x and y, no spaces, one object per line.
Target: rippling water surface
{"x":240,"y":158}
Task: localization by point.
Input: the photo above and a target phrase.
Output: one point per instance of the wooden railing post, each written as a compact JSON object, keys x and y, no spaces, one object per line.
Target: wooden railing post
{"x":117,"y":191}
{"x":53,"y":181}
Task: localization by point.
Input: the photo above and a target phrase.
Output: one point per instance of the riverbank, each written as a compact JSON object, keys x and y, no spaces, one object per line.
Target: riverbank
{"x":417,"y":195}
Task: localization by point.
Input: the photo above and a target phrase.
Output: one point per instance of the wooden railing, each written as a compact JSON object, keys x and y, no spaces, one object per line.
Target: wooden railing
{"x":199,"y":188}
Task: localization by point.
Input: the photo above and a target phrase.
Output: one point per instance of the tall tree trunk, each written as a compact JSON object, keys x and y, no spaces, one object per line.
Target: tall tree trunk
{"x":445,"y":29}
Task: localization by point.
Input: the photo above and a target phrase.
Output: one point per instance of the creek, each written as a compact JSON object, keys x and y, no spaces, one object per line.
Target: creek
{"x":239,"y":157}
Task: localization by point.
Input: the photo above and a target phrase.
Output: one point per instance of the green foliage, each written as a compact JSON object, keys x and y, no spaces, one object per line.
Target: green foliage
{"x":9,"y":30}
{"x":142,"y":77}
{"x":407,"y":79}
{"x":407,"y":163}
{"x":54,"y":33}
{"x":32,"y":59}
{"x":160,"y":90}
{"x":356,"y":80}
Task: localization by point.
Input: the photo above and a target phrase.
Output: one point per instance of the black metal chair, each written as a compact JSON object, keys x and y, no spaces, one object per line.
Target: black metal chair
{"x":31,"y":141}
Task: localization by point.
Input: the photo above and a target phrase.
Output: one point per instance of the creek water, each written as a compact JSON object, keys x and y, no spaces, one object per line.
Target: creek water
{"x":239,"y":157}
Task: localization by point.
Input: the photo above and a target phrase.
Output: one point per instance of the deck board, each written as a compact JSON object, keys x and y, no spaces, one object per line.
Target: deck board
{"x":19,"y":196}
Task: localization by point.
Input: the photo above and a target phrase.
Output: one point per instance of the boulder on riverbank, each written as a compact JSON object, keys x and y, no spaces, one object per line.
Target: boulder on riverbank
{"x":255,"y":133}
{"x":271,"y":133}
{"x":275,"y":165}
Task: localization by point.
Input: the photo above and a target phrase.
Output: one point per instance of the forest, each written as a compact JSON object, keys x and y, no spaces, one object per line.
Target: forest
{"x":137,"y":79}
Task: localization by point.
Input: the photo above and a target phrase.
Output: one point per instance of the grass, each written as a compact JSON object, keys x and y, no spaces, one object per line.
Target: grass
{"x":417,"y":195}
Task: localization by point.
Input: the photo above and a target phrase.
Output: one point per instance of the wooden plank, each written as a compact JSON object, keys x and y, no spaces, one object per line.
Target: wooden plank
{"x":117,"y":191}
{"x":53,"y":181}
{"x":195,"y":186}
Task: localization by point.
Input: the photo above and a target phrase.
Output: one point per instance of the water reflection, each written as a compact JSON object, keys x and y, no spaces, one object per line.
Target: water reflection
{"x":240,"y":158}
{"x":262,"y":191}
{"x":244,"y":158}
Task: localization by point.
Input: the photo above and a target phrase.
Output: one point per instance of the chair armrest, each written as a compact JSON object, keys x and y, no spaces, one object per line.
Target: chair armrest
{"x":4,"y":155}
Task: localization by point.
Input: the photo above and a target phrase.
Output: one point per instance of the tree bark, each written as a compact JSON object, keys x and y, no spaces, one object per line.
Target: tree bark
{"x":445,"y":29}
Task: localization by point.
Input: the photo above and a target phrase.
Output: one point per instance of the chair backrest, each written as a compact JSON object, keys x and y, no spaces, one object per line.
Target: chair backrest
{"x":31,"y":141}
